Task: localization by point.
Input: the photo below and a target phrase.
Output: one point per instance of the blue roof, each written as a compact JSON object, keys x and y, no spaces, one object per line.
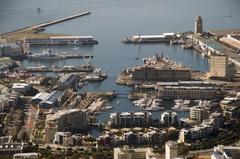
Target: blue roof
{"x":54,"y":95}
{"x":52,"y":99}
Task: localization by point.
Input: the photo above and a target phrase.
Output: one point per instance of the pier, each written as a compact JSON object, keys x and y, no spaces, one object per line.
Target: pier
{"x":39,"y":27}
{"x":46,"y":24}
{"x":57,"y":57}
{"x":59,"y":70}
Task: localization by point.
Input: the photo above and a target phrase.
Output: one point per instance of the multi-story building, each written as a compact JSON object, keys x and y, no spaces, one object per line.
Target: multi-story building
{"x":128,"y":120}
{"x":13,"y":99}
{"x":198,"y":113}
{"x":63,"y":138}
{"x":31,"y":155}
{"x":138,"y":153}
{"x":21,"y":87}
{"x":187,"y":90}
{"x":169,"y":118}
{"x":218,"y":120}
{"x":171,"y":150}
{"x":197,"y":132}
{"x":198,"y":25}
{"x":232,"y":40}
{"x":132,"y":138}
{"x":155,"y":137}
{"x":160,"y":74}
{"x":73,"y":120}
{"x":184,"y":135}
{"x":220,"y":66}
{"x":225,"y":152}
{"x":9,"y":149}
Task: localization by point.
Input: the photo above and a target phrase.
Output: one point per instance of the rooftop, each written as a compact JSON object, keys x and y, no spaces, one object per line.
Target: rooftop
{"x":52,"y":97}
{"x":20,"y":85}
{"x":234,"y":153}
{"x":41,"y":95}
{"x":61,"y":113}
{"x":224,"y":32}
{"x":230,"y":41}
{"x":211,"y":43}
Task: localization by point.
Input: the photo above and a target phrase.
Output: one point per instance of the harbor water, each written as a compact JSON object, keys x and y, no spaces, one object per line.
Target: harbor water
{"x":110,"y":22}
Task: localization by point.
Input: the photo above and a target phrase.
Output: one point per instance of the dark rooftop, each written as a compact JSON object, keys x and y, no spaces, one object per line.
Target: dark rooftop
{"x":234,"y":153}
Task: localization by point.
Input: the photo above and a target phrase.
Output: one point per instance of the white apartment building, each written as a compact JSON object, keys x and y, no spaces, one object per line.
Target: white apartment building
{"x":171,"y":150}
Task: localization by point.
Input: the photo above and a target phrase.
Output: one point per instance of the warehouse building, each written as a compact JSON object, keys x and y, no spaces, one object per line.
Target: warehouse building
{"x":51,"y":100}
{"x":160,"y":74}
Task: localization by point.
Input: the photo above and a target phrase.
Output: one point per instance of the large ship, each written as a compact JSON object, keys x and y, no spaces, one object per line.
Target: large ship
{"x":165,"y":37}
{"x":61,"y":40}
{"x":46,"y":55}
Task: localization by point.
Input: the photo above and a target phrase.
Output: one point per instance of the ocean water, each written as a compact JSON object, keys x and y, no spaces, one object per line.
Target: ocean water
{"x":112,"y":20}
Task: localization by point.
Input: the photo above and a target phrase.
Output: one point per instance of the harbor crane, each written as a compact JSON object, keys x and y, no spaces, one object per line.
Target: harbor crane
{"x":88,"y":60}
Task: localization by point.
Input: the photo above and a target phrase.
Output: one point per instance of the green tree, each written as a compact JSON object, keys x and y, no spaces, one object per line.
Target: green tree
{"x":183,"y":150}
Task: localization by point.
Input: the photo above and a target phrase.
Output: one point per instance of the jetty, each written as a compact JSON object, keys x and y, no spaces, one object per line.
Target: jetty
{"x":34,"y":30}
{"x":46,"y":24}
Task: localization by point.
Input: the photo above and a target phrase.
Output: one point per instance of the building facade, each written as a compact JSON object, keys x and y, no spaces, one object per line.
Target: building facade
{"x":220,"y":67}
{"x":31,"y":155}
{"x":225,"y":152}
{"x":160,"y":74}
{"x":169,"y":118}
{"x":201,"y":131}
{"x":198,"y":113}
{"x":21,"y":87}
{"x":9,"y":149}
{"x":128,"y":120}
{"x":138,"y":153}
{"x":73,"y":120}
{"x":187,"y":92}
{"x":171,"y":150}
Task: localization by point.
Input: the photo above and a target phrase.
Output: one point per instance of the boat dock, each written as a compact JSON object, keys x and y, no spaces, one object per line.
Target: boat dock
{"x":96,"y":105}
{"x":60,"y":40}
{"x":59,"y":69}
{"x":78,"y":56}
{"x":58,"y":57}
